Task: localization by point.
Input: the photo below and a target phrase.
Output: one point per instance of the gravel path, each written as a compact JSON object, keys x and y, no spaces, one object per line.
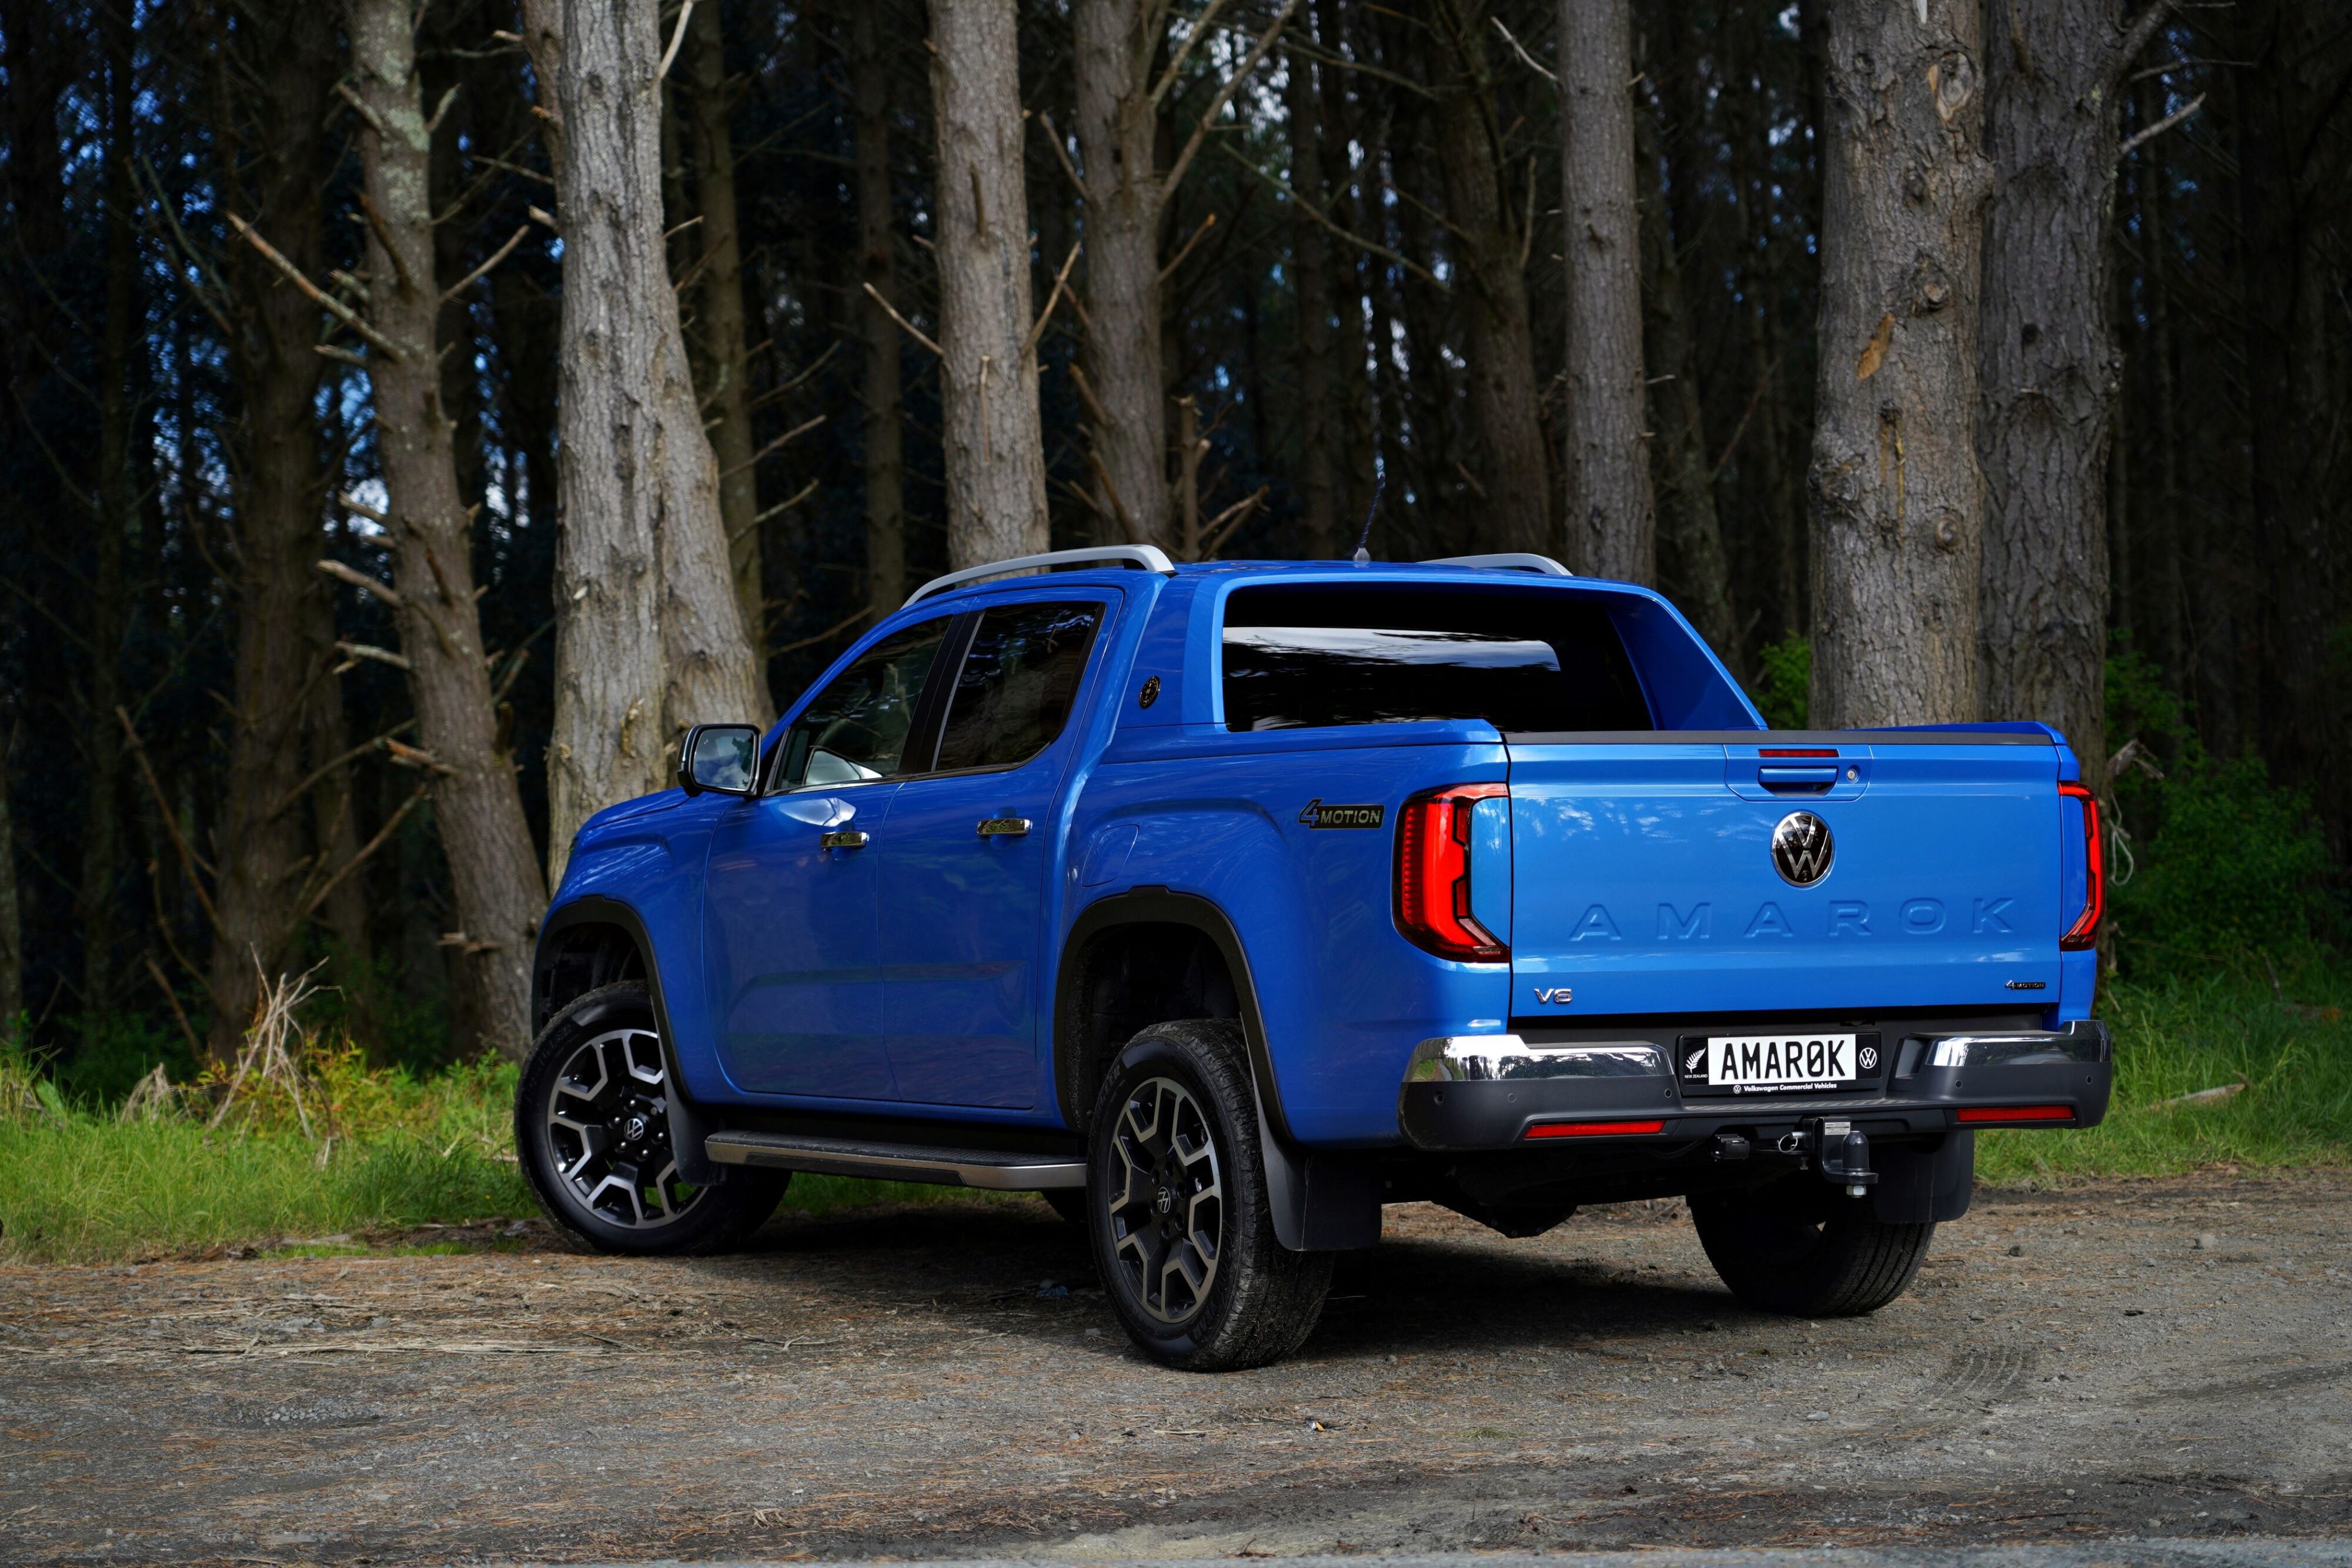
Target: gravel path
{"x":2147,"y":1361}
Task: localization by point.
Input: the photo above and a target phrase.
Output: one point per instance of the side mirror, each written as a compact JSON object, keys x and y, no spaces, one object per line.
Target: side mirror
{"x":723,"y":759}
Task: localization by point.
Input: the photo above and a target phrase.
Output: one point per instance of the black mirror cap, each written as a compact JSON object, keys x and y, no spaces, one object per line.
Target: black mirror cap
{"x":723,"y":759}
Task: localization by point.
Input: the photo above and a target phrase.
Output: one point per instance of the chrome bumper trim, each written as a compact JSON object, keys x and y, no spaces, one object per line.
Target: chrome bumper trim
{"x":2081,"y":1042}
{"x":1495,"y":1058}
{"x":896,"y":1162}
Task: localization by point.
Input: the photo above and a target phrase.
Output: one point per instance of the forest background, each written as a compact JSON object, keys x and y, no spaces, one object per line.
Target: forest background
{"x":2056,"y":297}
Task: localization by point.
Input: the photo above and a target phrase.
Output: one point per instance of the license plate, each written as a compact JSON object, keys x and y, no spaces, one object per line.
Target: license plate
{"x":1762,"y":1063}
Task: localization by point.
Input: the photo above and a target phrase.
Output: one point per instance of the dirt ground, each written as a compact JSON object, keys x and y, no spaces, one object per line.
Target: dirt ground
{"x":2150,"y":1360}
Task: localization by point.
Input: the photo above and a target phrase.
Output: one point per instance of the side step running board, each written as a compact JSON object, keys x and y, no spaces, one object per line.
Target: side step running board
{"x":896,"y":1162}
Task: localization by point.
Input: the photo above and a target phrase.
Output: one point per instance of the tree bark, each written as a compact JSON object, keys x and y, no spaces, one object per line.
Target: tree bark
{"x":1310,"y":259}
{"x":1693,"y":569}
{"x":1895,"y":496}
{"x":1118,"y":125}
{"x":106,"y":606}
{"x":727,"y":400}
{"x":649,"y":638}
{"x":995,"y":449}
{"x":877,"y":251}
{"x":2048,"y":364}
{"x":1515,"y":510}
{"x":278,"y":533}
{"x":1611,"y":519}
{"x":493,"y":872}
{"x":12,"y":930}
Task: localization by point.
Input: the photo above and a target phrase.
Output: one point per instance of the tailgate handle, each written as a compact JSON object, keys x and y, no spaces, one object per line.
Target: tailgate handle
{"x":1797,"y":780}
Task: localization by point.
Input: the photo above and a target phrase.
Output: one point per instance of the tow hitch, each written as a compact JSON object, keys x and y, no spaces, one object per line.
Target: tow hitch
{"x":1844,"y":1151}
{"x":1839,"y":1149}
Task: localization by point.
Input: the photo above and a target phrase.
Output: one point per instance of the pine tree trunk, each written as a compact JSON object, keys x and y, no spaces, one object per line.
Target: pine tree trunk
{"x":1117,"y":123}
{"x":106,"y":605}
{"x":476,"y":806}
{"x":1515,"y":512}
{"x":995,"y":449}
{"x":649,"y":638}
{"x":261,"y":837}
{"x":1310,"y":254}
{"x":2047,"y":365}
{"x":727,"y":400}
{"x":1897,"y":499}
{"x":877,"y":251}
{"x":1692,"y":568}
{"x":12,"y":930}
{"x":1612,"y":521}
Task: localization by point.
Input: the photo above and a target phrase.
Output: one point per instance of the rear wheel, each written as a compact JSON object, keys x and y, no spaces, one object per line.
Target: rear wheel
{"x":592,"y":1133}
{"x":1177,"y":1211}
{"x":1799,"y":1248}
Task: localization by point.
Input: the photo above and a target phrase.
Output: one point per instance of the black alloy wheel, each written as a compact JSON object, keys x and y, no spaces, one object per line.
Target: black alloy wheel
{"x":1168,"y":1210}
{"x":591,"y":1131}
{"x":1177,"y":1210}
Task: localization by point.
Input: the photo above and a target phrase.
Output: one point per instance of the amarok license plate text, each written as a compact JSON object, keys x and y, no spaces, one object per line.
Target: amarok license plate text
{"x":1763,"y":1061}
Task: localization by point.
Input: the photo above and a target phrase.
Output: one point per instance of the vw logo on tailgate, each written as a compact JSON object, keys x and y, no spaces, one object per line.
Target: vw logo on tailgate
{"x":1801,"y":848}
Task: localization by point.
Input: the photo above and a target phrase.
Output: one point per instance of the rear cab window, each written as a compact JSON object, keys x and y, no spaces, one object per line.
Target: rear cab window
{"x":1325,"y":654}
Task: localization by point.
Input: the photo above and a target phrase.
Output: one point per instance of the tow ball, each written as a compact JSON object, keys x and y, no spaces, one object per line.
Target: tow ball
{"x":1844,"y":1151}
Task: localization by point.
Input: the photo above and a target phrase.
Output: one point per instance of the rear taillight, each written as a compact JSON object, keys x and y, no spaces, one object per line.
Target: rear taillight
{"x":1432,"y":873}
{"x":2085,"y":932}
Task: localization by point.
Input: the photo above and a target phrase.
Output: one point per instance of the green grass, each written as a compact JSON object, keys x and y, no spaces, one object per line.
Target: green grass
{"x":2291,"y":1046}
{"x":79,"y":1185}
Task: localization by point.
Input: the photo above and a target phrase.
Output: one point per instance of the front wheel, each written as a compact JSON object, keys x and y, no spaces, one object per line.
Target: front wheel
{"x":592,"y":1132}
{"x":1177,"y":1209}
{"x":1799,"y":1248}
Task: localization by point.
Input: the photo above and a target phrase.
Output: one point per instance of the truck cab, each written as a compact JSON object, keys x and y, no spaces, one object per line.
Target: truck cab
{"x":1223,"y":904}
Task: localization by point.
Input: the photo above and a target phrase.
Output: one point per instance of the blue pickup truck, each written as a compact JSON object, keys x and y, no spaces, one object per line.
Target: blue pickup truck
{"x":1222,"y":905}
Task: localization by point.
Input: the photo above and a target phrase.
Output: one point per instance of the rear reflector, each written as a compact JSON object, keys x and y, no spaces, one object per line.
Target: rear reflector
{"x":1797,"y":751}
{"x":2021,"y":1115}
{"x":1594,"y":1129}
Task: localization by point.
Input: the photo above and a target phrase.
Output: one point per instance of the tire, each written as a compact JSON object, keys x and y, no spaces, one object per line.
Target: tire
{"x":1177,"y":1212}
{"x":1799,"y":1248}
{"x":591,"y":1134}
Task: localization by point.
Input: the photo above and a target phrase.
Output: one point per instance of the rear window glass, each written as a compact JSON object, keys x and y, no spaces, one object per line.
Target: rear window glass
{"x":1014,"y":692}
{"x":1307,"y":657}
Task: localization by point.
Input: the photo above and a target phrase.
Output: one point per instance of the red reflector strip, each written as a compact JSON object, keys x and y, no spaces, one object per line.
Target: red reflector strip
{"x":1797,"y":751}
{"x":1983,"y":1113}
{"x":1594,"y":1129}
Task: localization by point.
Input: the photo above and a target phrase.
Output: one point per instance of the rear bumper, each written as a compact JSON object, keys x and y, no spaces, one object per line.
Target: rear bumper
{"x":1499,"y":1092}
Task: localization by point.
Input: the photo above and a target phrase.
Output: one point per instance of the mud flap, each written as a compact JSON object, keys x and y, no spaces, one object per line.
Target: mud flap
{"x":1321,"y":1202}
{"x":1918,"y":1186}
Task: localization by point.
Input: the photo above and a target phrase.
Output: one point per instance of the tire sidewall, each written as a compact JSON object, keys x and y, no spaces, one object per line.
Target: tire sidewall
{"x":1168,"y":1051}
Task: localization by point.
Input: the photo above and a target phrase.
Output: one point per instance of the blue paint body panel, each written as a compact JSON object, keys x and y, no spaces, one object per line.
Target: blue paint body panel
{"x":918,"y":974}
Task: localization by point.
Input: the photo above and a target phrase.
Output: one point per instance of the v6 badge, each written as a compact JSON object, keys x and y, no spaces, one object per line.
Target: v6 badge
{"x":1556,"y":997}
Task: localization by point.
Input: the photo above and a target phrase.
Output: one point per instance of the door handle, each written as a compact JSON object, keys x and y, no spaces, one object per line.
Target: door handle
{"x":1003,"y":827}
{"x":845,"y":839}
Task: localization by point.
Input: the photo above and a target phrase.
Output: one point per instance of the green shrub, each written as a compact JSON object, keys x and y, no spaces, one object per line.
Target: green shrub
{"x":1784,"y":690}
{"x":2230,"y":865}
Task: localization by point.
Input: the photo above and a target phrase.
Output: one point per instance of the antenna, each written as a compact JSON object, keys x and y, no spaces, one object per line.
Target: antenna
{"x":1363,"y":556}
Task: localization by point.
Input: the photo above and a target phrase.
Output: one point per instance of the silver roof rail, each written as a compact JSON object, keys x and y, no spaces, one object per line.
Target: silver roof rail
{"x":1518,"y":560}
{"x":1149,"y":558}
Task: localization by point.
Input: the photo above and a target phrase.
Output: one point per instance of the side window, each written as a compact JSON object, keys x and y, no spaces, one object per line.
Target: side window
{"x":857,"y":727}
{"x":1015,"y":689}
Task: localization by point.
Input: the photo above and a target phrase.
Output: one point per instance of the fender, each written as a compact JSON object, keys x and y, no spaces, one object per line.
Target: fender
{"x":689,"y":1123}
{"x":1321,"y":1201}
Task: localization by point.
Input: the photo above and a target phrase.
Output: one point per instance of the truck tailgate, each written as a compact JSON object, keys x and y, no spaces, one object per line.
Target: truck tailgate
{"x":1645,"y":881}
